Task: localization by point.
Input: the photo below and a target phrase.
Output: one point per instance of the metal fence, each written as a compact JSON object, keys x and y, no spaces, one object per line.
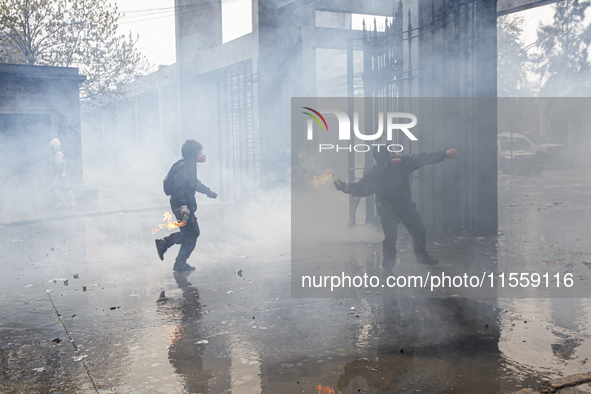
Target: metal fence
{"x":449,"y":53}
{"x":238,"y":140}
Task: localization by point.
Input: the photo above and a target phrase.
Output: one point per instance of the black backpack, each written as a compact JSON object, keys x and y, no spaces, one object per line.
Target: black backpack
{"x":168,"y":183}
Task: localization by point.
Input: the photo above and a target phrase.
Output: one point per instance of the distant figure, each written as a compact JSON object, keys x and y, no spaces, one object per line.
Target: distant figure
{"x":389,"y":181}
{"x":61,"y":179}
{"x":180,"y":184}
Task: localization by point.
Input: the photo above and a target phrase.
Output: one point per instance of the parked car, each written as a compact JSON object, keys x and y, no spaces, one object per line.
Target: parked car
{"x":517,"y":155}
{"x":553,"y":155}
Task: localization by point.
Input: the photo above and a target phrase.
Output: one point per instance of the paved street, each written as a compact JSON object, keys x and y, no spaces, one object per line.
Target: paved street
{"x":81,"y":308}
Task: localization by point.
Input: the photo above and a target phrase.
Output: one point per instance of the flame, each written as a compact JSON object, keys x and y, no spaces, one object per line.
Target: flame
{"x":321,"y":180}
{"x":170,"y":224}
{"x":324,"y":390}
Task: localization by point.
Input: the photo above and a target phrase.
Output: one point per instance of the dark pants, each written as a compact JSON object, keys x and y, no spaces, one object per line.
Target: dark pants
{"x":187,"y":238}
{"x":404,"y":212}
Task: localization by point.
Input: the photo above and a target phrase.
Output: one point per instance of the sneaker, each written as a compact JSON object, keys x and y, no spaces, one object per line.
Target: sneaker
{"x":182,"y":267}
{"x":161,"y":248}
{"x":427,"y":260}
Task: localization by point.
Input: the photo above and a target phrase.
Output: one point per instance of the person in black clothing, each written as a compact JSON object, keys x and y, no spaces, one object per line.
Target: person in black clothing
{"x":389,"y":181}
{"x":183,"y":204}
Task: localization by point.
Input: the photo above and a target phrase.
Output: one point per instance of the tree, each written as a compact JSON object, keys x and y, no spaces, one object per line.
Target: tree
{"x":562,"y":59}
{"x":513,"y":60}
{"x":71,"y":33}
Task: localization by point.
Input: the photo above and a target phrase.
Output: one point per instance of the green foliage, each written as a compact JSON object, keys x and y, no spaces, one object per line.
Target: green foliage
{"x":513,"y":61}
{"x":562,"y":59}
{"x":71,"y":33}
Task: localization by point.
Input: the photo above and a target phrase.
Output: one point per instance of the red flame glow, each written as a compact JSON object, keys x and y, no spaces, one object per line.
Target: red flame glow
{"x":324,"y":390}
{"x":321,"y":180}
{"x":169,"y":223}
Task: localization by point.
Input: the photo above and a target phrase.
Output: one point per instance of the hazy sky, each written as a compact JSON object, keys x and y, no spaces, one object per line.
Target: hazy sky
{"x":153,"y":20}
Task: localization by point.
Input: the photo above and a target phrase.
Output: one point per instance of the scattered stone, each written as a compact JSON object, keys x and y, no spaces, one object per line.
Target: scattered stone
{"x":239,"y":273}
{"x":76,"y":276}
{"x":66,"y":282}
{"x":83,"y":288}
{"x":39,"y":369}
{"x":57,"y":340}
{"x":553,"y":386}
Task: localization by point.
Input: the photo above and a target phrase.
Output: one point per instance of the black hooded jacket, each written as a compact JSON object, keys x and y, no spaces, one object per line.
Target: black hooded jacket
{"x":392,"y":184}
{"x":185,"y":184}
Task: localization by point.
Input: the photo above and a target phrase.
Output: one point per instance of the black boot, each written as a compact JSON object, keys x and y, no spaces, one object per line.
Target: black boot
{"x":161,"y":247}
{"x":182,"y":267}
{"x":427,"y":260}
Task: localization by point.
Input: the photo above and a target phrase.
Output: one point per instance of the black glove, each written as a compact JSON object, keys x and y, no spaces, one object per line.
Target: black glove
{"x":185,"y":213}
{"x":212,"y":194}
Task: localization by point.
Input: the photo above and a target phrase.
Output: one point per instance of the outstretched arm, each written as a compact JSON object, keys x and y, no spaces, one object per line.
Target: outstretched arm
{"x":201,"y":188}
{"x":417,"y":161}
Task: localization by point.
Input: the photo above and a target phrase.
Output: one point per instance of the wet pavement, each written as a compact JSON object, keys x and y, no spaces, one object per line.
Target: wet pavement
{"x":95,"y":282}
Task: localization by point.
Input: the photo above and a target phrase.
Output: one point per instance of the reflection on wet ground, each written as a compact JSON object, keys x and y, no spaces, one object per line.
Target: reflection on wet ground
{"x":213,"y":331}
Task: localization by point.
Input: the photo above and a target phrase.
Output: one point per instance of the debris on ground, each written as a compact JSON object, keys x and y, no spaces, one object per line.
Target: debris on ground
{"x":83,"y":288}
{"x":202,"y":342}
{"x":76,"y":276}
{"x":41,"y":369}
{"x":229,"y":292}
{"x":162,"y":297}
{"x":56,"y":340}
{"x":239,"y":273}
{"x":555,"y":385}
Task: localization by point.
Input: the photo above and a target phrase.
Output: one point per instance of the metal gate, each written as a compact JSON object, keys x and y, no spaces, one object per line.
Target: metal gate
{"x":450,"y":53}
{"x":238,"y":139}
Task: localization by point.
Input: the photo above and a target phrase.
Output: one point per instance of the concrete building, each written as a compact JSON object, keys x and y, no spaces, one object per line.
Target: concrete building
{"x":38,"y":104}
{"x":235,"y":97}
